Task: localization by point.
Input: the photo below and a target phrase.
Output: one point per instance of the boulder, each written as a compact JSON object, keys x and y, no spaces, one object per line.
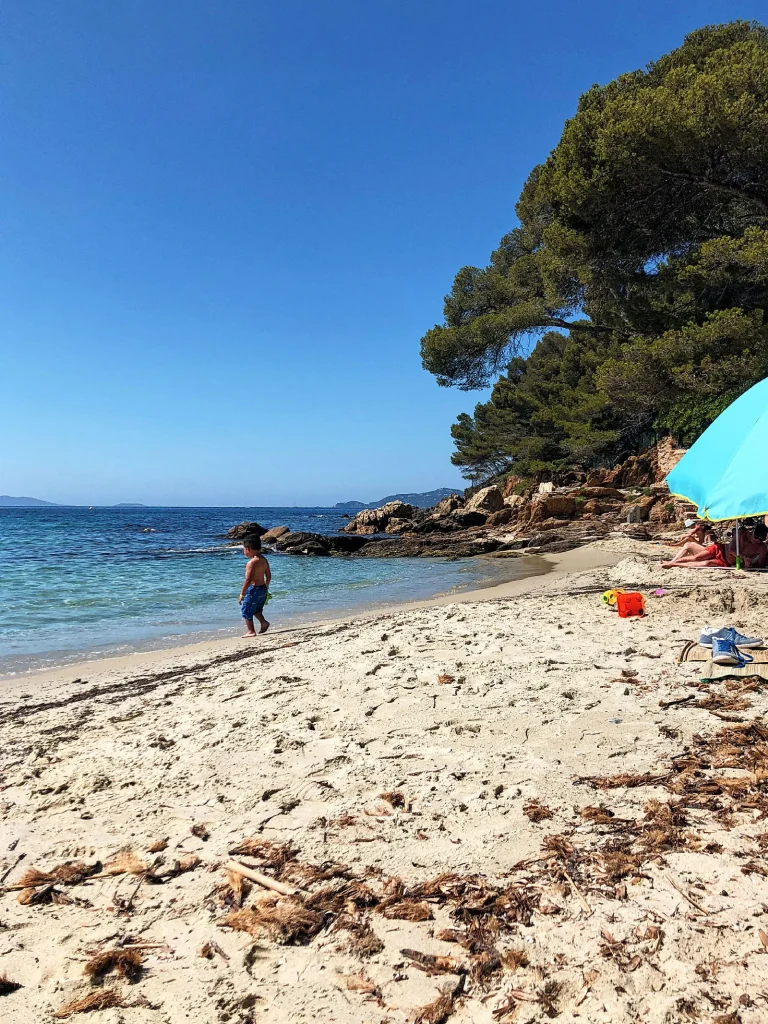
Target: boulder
{"x":447,"y":505}
{"x":301,"y":543}
{"x":558,"y":505}
{"x":463,"y":519}
{"x":639,"y":511}
{"x":501,"y":518}
{"x":304,"y":543}
{"x":244,"y":530}
{"x":374,"y":520}
{"x":274,"y":534}
{"x":399,"y":525}
{"x":343,"y":545}
{"x":488,"y":499}
{"x":546,"y":488}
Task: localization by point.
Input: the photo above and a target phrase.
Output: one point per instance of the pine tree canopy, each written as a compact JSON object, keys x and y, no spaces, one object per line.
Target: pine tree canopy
{"x":638,"y":271}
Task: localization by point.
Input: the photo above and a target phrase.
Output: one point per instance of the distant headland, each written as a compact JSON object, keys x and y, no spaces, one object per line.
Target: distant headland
{"x":425,"y":499}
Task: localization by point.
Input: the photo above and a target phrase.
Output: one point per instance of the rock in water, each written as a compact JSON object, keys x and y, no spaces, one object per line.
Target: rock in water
{"x":274,"y":534}
{"x":244,"y":530}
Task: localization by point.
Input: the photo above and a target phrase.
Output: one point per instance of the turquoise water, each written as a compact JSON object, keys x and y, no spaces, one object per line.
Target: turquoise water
{"x":107,"y":581}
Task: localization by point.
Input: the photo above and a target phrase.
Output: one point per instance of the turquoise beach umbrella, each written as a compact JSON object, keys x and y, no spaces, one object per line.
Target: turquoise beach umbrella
{"x":725,"y":473}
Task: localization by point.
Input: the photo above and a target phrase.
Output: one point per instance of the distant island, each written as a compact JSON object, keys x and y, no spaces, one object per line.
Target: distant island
{"x":426,"y":499}
{"x":8,"y":500}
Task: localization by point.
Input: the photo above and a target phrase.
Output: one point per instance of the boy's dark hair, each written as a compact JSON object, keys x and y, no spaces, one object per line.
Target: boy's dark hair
{"x":252,"y":542}
{"x":760,"y":531}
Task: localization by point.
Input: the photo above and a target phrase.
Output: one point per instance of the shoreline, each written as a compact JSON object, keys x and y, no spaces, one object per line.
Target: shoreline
{"x":551,"y":567}
{"x":516,"y":760}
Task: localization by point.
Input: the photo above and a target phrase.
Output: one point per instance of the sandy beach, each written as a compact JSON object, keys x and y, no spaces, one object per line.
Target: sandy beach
{"x":511,"y":805}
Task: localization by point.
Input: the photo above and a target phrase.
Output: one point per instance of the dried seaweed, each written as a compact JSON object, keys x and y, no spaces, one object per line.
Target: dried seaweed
{"x":626,"y":780}
{"x":393,"y":797}
{"x":363,"y":940}
{"x":102,"y":1000}
{"x":598,"y":815}
{"x":127,"y":963}
{"x":360,"y":982}
{"x":408,"y":910}
{"x":7,"y":986}
{"x":441,"y":1008}
{"x":126,"y":862}
{"x":285,"y":919}
{"x":272,"y":855}
{"x":548,"y":996}
{"x":431,"y":964}
{"x":514,"y":959}
{"x":536,"y":811}
{"x":158,"y":846}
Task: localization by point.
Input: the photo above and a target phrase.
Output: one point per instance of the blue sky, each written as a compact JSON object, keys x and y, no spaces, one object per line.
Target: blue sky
{"x":225,"y":228}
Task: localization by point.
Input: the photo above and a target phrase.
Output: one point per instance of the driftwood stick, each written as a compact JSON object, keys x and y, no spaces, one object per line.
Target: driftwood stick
{"x":263,"y":880}
{"x":685,"y":895}
{"x":578,"y":893}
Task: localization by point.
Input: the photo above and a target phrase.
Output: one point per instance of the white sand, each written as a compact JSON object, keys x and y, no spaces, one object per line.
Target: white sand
{"x":294,"y":736}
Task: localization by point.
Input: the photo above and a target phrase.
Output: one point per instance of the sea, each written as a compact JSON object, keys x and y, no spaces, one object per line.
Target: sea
{"x":81,"y":583}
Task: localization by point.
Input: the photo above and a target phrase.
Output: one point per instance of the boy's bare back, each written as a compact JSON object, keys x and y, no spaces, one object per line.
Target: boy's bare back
{"x":257,"y":572}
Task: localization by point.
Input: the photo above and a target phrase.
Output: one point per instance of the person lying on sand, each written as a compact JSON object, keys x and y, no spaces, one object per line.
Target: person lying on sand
{"x":253,"y":594}
{"x":752,"y":549}
{"x":697,"y":532}
{"x":699,"y":556}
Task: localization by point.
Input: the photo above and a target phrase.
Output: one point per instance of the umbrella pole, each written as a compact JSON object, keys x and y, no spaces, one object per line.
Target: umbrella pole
{"x":738,"y":556}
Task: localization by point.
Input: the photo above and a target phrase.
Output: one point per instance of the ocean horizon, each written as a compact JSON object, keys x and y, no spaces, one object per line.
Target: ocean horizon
{"x":99,"y":581}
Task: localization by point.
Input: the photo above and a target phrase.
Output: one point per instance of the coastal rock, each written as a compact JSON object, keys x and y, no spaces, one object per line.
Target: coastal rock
{"x":447,"y":505}
{"x":546,"y":488}
{"x":274,"y":534}
{"x":434,"y":547}
{"x":594,"y":507}
{"x":664,"y":512}
{"x":510,"y":483}
{"x":640,"y":510}
{"x":501,"y":518}
{"x":558,"y":505}
{"x":304,"y":543}
{"x":244,"y":530}
{"x":488,"y":499}
{"x":463,"y":519}
{"x":375,"y":520}
{"x":602,"y":492}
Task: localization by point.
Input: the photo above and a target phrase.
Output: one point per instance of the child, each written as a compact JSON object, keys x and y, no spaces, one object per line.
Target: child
{"x":254,"y":591}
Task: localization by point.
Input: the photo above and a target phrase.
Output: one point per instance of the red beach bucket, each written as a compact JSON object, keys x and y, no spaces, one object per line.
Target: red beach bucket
{"x":630,"y":604}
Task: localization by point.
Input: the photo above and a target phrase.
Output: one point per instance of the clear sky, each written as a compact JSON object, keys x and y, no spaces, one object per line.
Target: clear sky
{"x":225,"y":228}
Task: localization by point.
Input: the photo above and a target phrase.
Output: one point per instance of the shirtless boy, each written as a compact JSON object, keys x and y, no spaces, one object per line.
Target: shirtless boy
{"x":253,"y":594}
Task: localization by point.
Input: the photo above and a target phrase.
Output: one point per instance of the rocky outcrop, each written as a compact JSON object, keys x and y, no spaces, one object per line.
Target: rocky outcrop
{"x":301,"y":542}
{"x":487,"y":500}
{"x":244,"y":530}
{"x":375,"y":520}
{"x":274,"y":534}
{"x":628,"y":500}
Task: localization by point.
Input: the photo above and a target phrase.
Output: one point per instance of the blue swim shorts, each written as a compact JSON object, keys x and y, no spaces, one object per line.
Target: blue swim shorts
{"x":253,"y":602}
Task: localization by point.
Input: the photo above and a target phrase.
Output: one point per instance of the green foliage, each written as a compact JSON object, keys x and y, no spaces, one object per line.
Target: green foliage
{"x":643,"y":239}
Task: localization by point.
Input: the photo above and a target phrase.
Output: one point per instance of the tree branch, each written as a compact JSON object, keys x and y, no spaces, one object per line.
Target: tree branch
{"x":697,"y":179}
